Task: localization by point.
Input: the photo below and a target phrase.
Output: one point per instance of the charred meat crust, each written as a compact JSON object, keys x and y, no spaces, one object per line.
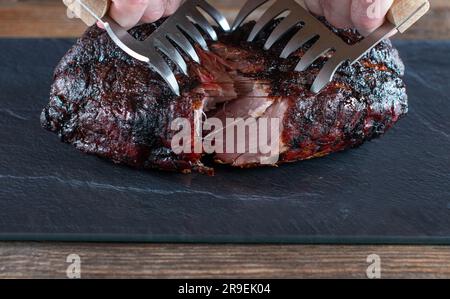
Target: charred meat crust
{"x":105,"y":103}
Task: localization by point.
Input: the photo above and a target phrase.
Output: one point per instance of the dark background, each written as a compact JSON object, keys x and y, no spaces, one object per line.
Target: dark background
{"x":392,"y":190}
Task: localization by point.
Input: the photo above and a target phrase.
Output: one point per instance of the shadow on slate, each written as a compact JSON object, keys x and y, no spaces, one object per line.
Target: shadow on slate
{"x":393,"y":190}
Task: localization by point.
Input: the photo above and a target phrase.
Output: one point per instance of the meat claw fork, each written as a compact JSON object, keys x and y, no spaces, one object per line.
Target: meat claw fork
{"x":175,"y":30}
{"x":401,"y":16}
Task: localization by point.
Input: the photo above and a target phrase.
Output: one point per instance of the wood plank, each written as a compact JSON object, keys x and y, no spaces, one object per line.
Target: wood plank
{"x":47,"y":18}
{"x":48,"y":260}
{"x":44,"y":18}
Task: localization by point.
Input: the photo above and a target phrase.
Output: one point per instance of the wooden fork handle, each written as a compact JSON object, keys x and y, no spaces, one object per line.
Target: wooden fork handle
{"x":76,"y":10}
{"x":404,"y":13}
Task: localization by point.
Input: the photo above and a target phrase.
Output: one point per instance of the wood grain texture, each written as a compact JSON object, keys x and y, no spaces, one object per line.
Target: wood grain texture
{"x":47,"y":18}
{"x":402,"y":11}
{"x":48,"y":260}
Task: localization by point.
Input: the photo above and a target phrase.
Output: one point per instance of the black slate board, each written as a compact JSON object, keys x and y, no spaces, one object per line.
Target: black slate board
{"x":392,"y":190}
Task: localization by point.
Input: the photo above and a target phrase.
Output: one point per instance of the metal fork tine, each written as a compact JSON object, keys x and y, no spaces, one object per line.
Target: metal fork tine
{"x":304,"y":35}
{"x":317,"y":50}
{"x":314,"y":28}
{"x":184,"y":44}
{"x":188,"y":23}
{"x":326,"y":74}
{"x":275,"y":10}
{"x":215,"y":14}
{"x":288,"y":23}
{"x":193,"y":32}
{"x":170,"y":51}
{"x":249,"y":7}
{"x":155,"y":61}
{"x":123,"y":39}
{"x":344,"y":53}
{"x":369,"y":42}
{"x":203,"y":23}
{"x":159,"y":65}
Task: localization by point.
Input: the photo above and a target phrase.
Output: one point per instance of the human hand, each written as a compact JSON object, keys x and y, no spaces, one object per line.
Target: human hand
{"x":129,"y":13}
{"x":364,"y":15}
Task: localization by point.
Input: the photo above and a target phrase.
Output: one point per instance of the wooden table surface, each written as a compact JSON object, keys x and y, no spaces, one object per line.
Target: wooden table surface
{"x":46,"y":18}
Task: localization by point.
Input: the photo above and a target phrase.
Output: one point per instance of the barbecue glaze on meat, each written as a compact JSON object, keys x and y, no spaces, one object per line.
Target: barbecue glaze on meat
{"x":105,"y":103}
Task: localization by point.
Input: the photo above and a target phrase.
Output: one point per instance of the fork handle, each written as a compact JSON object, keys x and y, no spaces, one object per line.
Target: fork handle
{"x":98,"y":7}
{"x":404,"y":13}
